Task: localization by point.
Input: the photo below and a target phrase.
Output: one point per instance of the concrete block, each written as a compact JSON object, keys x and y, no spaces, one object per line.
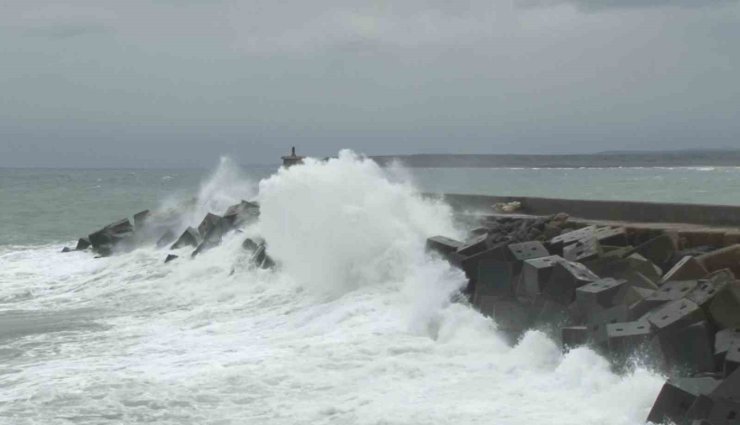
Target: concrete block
{"x":724,"y":412}
{"x":574,"y":336}
{"x":583,"y":250}
{"x":103,"y":240}
{"x":721,"y":274}
{"x":475,"y":245}
{"x":443,"y":245}
{"x":731,"y":238}
{"x":527,"y":251}
{"x":629,"y":295}
{"x":190,"y":237}
{"x":209,"y":221}
{"x":536,"y":273}
{"x":699,"y":411}
{"x":732,"y":359}
{"x":495,"y":278}
{"x":706,"y":290}
{"x":82,"y":244}
{"x":553,"y":314}
{"x":170,"y":257}
{"x":689,"y":348}
{"x":660,"y":250}
{"x":140,"y":219}
{"x":598,"y":321}
{"x":573,"y":236}
{"x":702,"y":238}
{"x":508,"y":314}
{"x":565,"y":278}
{"x":624,"y":338}
{"x":615,"y":236}
{"x":687,"y":268}
{"x":671,"y":291}
{"x":725,"y":258}
{"x":599,"y":294}
{"x":675,"y":314}
{"x":723,"y":340}
{"x":676,"y":398}
{"x":729,"y":388}
{"x":725,"y":310}
{"x":166,"y":239}
{"x":615,"y":252}
{"x":241,"y":214}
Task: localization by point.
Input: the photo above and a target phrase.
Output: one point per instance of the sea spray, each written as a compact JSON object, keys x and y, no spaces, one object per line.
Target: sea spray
{"x":354,"y":327}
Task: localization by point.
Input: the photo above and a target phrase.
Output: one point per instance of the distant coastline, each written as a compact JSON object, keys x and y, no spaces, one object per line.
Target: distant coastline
{"x":687,"y":158}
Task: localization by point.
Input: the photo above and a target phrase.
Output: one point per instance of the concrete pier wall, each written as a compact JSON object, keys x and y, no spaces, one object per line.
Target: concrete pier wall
{"x":710,"y":215}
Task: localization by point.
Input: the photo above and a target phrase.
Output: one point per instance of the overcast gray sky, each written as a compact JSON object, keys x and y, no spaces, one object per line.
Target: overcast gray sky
{"x":181,"y":82}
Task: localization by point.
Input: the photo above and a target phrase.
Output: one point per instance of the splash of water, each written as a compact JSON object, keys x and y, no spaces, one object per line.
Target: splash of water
{"x":355,"y":327}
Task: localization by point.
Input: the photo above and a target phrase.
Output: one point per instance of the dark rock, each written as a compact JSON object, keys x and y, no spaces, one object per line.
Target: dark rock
{"x":170,"y":257}
{"x":190,"y":237}
{"x":67,"y":249}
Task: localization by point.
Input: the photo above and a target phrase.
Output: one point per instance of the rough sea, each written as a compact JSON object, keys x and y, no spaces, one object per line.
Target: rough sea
{"x":355,"y":326}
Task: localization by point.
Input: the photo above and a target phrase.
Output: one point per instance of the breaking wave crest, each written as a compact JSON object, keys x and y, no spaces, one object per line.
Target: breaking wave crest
{"x":355,"y":325}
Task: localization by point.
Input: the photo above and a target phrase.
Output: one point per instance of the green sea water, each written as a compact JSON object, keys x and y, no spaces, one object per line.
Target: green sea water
{"x":39,"y":206}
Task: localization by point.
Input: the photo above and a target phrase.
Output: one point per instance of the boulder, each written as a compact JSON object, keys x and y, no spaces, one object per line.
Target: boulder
{"x":170,"y":257}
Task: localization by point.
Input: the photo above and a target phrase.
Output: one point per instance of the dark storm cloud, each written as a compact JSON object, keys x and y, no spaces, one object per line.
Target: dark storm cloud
{"x":178,"y":83}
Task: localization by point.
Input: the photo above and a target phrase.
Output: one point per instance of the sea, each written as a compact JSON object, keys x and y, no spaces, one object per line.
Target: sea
{"x":357,"y":324}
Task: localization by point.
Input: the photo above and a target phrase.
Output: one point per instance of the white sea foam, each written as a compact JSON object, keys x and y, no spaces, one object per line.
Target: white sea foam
{"x":354,"y":327}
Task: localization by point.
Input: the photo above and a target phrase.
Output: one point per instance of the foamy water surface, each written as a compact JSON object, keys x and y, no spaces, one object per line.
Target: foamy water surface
{"x":354,"y":327}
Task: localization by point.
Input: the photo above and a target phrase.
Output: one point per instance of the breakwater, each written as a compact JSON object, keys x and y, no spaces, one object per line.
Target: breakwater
{"x":662,"y":291}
